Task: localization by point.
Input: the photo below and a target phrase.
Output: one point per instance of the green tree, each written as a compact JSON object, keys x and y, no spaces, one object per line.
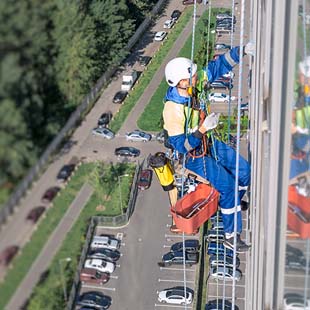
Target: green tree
{"x":16,"y":150}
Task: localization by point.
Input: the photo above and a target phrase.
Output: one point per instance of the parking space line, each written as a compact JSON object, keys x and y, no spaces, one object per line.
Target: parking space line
{"x":119,"y":236}
{"x":221,"y":296}
{"x":296,"y":288}
{"x":118,"y":265}
{"x":226,"y":284}
{"x":176,"y":269}
{"x":100,"y":287}
{"x":172,"y":306}
{"x":180,"y":236}
{"x":123,"y":243}
{"x":175,"y":281}
{"x":166,"y":246}
{"x":113,"y":277}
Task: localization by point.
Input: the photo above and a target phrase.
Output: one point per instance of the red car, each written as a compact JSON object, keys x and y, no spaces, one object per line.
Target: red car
{"x":145,"y":179}
{"x":7,"y":254}
{"x":35,"y":214}
{"x":50,"y":194}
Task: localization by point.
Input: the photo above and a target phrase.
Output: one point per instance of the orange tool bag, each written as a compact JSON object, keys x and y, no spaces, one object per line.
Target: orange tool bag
{"x":298,"y":214}
{"x":195,"y":208}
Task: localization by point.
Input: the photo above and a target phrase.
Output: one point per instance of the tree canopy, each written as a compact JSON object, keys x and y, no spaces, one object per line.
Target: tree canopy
{"x":51,"y":54}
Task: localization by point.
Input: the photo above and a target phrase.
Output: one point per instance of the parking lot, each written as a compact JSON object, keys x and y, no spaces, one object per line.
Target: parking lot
{"x":137,"y":278}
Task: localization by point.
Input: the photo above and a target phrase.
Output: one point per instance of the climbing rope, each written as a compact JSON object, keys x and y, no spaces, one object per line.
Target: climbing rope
{"x":238,"y":149}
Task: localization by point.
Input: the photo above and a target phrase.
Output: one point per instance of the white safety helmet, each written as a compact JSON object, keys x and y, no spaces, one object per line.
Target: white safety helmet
{"x":304,"y":67}
{"x":178,"y":69}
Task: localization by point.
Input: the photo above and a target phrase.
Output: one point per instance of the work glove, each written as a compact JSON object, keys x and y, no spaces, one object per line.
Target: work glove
{"x":210,"y":122}
{"x":249,"y":49}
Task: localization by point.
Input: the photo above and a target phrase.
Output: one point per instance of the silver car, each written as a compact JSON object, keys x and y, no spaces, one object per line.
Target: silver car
{"x":139,"y":136}
{"x":103,"y":132}
{"x":220,"y":272}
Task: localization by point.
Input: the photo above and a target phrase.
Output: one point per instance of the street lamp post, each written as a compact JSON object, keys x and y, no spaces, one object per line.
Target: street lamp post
{"x":120,"y":190}
{"x":67,"y":259}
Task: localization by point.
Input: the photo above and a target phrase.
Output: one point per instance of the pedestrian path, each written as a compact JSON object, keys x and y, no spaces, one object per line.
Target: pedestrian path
{"x":47,"y":254}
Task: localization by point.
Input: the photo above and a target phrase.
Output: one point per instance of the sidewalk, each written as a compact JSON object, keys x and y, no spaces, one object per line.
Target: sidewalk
{"x":47,"y":254}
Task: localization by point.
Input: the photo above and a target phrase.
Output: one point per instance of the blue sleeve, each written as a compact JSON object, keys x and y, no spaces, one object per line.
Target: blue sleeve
{"x":178,"y":142}
{"x":223,"y":64}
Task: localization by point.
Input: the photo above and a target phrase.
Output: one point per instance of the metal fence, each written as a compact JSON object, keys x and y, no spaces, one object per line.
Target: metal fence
{"x":70,"y":125}
{"x":103,"y":221}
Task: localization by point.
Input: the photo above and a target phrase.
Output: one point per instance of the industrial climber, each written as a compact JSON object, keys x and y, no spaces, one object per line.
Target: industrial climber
{"x":185,"y":134}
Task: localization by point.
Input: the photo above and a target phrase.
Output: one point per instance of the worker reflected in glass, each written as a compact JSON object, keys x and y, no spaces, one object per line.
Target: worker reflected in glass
{"x":299,"y":189}
{"x":187,"y":132}
{"x":300,"y":129}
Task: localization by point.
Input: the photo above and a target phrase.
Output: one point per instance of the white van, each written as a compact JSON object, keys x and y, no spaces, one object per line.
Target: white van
{"x":105,"y":242}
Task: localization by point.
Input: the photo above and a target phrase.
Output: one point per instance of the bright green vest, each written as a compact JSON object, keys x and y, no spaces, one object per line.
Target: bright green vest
{"x":303,"y":117}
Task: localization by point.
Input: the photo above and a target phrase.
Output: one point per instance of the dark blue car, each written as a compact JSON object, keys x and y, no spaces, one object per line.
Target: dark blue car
{"x":218,"y":248}
{"x":217,"y":304}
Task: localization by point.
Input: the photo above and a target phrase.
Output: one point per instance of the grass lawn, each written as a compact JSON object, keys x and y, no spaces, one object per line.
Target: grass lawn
{"x":108,"y":197}
{"x":151,"y":118}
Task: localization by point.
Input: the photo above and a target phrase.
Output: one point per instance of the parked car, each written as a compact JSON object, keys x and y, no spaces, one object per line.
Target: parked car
{"x":177,"y":258}
{"x":95,"y":300}
{"x":290,"y":250}
{"x":105,"y":119}
{"x":175,"y":296}
{"x":295,"y":262}
{"x":244,"y":107}
{"x":65,"y":172}
{"x":222,"y":46}
{"x":191,"y":246}
{"x":103,"y":132}
{"x":176,"y":14}
{"x":105,"y":242}
{"x":188,"y":2}
{"x":221,"y":84}
{"x":221,"y":272}
{"x":217,"y":304}
{"x":221,"y":260}
{"x":215,"y":235}
{"x":93,"y":276}
{"x":144,"y":60}
{"x":145,"y":179}
{"x":50,"y":194}
{"x":100,"y":265}
{"x":120,"y":96}
{"x":35,"y":214}
{"x":104,"y":253}
{"x":218,"y":249}
{"x":219,"y":97}
{"x":8,"y":254}
{"x":226,"y":21}
{"x":221,"y":16}
{"x":169,"y":23}
{"x":294,"y":301}
{"x":218,"y":225}
{"x":160,"y":35}
{"x":127,"y":151}
{"x":138,"y":136}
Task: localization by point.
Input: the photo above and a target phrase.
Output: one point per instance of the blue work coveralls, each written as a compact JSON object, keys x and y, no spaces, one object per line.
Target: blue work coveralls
{"x":220,"y":173}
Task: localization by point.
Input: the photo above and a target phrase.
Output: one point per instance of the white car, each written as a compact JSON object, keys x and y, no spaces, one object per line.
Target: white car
{"x":220,"y":272}
{"x":175,"y":296}
{"x":100,"y":265}
{"x":294,"y":301}
{"x":138,"y":135}
{"x":106,"y":242}
{"x":103,"y":132}
{"x":219,"y":97}
{"x":160,"y":35}
{"x":169,"y":23}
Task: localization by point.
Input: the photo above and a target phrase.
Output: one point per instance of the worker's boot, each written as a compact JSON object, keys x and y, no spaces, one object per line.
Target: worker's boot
{"x":241,"y":246}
